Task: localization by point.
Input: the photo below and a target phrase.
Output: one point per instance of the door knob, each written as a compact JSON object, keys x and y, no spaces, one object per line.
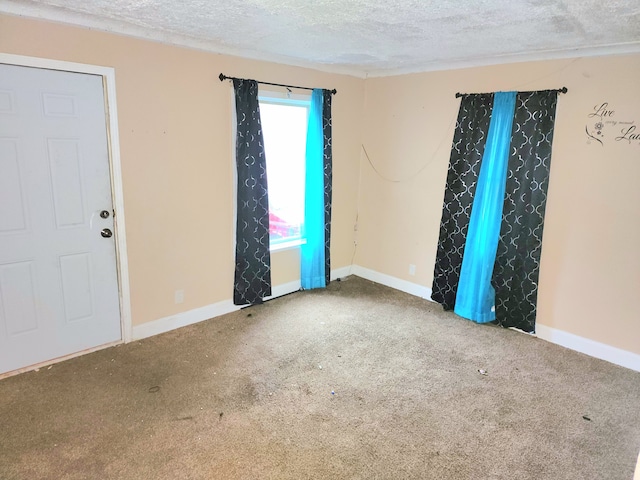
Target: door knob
{"x":106,"y":233}
{"x":104,"y":213}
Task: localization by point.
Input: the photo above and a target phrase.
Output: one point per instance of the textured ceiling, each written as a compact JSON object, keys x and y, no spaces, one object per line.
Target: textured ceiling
{"x":364,"y":37}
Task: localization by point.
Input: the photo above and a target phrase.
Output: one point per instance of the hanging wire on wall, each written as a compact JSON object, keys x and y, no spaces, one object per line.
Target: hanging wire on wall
{"x":423,"y":167}
{"x":433,"y":156}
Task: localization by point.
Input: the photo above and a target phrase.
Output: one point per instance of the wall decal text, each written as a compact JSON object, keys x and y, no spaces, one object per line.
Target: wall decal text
{"x":601,"y":119}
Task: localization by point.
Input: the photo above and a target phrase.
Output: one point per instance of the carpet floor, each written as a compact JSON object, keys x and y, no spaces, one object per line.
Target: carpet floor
{"x":358,"y":381}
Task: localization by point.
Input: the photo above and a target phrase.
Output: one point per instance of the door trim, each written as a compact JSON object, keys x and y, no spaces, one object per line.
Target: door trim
{"x":108,"y":75}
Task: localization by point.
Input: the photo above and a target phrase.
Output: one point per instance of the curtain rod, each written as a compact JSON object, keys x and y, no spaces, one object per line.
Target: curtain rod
{"x":223,"y":77}
{"x":559,"y":90}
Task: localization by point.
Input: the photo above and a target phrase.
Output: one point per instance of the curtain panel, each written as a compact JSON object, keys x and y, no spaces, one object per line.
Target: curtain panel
{"x":315,"y":253}
{"x":464,"y":166}
{"x":312,"y":252}
{"x":475,"y":298}
{"x":252,"y":281}
{"x":515,"y":269}
{"x":327,"y":149}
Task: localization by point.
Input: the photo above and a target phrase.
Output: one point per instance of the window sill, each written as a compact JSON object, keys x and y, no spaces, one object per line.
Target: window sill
{"x":276,"y":247}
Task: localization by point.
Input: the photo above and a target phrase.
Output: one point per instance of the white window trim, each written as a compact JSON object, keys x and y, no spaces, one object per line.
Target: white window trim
{"x":286,"y":98}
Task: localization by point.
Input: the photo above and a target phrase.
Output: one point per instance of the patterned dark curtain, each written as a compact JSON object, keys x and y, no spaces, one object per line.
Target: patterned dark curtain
{"x":253,"y":261}
{"x":328,"y":174}
{"x":516,"y":271}
{"x":464,"y":166}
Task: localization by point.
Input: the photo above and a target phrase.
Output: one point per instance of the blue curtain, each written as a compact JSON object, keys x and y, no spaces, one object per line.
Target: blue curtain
{"x":475,"y":298}
{"x":467,"y":148}
{"x":313,"y":251}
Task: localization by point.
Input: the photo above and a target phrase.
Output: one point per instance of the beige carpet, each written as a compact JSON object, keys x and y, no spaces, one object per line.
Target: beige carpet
{"x":358,"y":381}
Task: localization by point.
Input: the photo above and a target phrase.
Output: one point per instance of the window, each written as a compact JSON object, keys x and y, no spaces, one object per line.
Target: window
{"x":284,"y":128}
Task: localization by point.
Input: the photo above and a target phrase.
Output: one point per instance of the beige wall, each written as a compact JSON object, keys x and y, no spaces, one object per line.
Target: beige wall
{"x":590,"y":267}
{"x":176,"y":152}
{"x":176,"y":148}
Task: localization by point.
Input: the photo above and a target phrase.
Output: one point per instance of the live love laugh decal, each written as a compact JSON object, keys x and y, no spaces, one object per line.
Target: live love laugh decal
{"x":601,"y":119}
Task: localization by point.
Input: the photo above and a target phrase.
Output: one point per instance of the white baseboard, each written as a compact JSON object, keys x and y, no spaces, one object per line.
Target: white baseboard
{"x":341,"y":272}
{"x":166,"y":324}
{"x":590,"y":347}
{"x":393,"y":282}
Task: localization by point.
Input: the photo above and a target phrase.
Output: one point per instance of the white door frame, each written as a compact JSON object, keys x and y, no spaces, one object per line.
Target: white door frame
{"x":108,"y":75}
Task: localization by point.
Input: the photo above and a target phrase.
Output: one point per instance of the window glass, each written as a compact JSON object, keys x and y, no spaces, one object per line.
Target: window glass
{"x":284,"y":128}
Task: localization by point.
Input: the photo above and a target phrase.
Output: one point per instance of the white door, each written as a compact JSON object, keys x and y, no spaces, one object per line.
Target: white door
{"x":58,"y":280}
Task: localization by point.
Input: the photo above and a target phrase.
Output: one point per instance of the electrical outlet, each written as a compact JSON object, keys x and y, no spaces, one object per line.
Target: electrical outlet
{"x":412,"y":269}
{"x":179,"y":296}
